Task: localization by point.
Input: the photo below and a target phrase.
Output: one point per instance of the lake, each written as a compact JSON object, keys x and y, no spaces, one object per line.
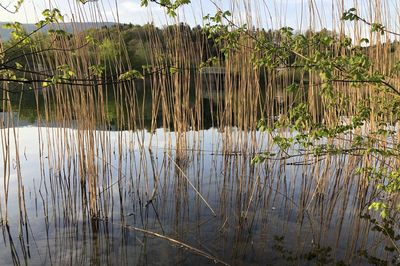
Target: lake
{"x":160,"y":197}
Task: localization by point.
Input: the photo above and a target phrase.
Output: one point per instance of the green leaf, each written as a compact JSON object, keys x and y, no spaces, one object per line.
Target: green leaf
{"x":293,"y":87}
{"x":174,"y":70}
{"x":18,"y":66}
{"x":131,"y":74}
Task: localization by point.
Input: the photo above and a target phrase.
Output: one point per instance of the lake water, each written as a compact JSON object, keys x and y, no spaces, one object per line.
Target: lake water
{"x":198,"y":189}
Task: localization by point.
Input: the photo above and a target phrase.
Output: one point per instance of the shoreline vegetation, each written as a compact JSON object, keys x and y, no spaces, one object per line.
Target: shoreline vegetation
{"x":224,"y":143}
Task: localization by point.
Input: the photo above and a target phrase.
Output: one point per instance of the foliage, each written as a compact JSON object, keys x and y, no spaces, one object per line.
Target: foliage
{"x":334,"y":60}
{"x":171,"y":6}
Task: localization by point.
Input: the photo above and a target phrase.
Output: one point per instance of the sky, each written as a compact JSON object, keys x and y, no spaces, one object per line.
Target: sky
{"x":265,"y":13}
{"x":272,"y":12}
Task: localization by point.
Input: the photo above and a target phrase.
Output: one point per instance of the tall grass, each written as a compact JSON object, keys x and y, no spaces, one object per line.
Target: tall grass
{"x":90,"y":171}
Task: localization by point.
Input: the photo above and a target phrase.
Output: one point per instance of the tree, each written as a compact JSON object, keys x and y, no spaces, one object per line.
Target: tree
{"x":334,"y":60}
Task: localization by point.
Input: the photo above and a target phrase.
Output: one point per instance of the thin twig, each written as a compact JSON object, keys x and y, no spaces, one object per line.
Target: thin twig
{"x":190,"y":183}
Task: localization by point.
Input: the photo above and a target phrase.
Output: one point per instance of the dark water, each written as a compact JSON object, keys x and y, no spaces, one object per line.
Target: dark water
{"x":29,"y":105}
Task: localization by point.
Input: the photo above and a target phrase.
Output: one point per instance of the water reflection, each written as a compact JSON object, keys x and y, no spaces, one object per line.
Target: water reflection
{"x":160,"y":205}
{"x":33,"y":106}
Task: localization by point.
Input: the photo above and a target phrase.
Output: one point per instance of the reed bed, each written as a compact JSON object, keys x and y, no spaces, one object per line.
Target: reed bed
{"x":179,"y":181}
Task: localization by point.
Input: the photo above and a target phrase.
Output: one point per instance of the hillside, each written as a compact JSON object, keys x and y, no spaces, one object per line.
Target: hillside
{"x":69,"y":27}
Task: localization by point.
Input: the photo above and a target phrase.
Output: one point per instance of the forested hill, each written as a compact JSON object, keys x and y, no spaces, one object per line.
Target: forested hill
{"x":68,"y":27}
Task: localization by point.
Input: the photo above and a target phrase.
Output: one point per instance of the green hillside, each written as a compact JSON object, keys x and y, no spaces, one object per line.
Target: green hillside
{"x":69,"y":27}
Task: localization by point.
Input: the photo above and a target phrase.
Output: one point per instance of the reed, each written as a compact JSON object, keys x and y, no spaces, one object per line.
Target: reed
{"x":176,"y":175}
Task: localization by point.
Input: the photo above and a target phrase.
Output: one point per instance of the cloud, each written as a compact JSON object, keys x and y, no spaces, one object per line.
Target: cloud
{"x":130,"y":11}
